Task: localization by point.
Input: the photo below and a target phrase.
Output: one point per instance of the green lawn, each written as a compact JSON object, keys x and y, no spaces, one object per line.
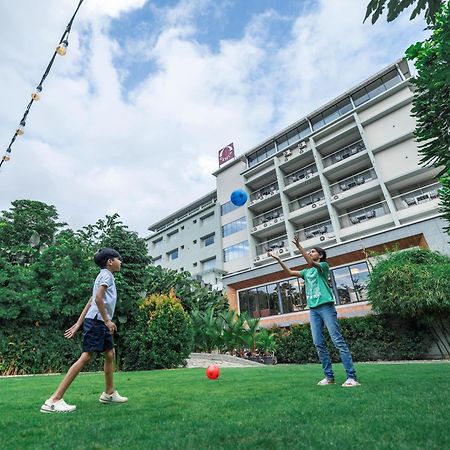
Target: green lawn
{"x":398,"y":406}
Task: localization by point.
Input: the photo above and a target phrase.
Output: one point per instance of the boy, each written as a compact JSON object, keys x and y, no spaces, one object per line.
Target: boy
{"x":322,"y":311}
{"x":97,"y":333}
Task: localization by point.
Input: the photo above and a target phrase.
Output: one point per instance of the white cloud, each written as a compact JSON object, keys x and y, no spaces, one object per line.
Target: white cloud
{"x":91,"y":148}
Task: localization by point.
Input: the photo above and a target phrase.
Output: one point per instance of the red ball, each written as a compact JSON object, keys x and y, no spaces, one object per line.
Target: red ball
{"x":212,"y":372}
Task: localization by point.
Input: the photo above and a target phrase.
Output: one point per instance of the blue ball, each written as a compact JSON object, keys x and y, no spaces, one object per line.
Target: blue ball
{"x":238,"y":197}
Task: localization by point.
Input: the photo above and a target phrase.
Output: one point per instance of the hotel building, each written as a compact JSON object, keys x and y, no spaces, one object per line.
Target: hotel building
{"x":346,"y":178}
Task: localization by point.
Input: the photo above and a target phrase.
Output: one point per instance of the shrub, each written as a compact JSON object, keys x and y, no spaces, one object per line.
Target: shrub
{"x":162,"y":337}
{"x":369,"y":338}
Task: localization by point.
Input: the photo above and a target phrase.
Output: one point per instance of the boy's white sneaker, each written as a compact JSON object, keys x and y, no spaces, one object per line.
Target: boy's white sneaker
{"x":57,"y":407}
{"x":325,"y":382}
{"x":351,"y":382}
{"x":115,"y":397}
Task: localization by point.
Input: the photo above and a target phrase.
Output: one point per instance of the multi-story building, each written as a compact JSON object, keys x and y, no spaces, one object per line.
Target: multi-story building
{"x":346,"y":178}
{"x":189,"y":240}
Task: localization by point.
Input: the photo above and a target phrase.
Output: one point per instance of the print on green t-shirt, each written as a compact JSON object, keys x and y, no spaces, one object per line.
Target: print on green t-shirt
{"x":316,"y":285}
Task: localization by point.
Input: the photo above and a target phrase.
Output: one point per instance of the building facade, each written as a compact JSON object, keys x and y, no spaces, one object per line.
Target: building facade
{"x":346,"y":178}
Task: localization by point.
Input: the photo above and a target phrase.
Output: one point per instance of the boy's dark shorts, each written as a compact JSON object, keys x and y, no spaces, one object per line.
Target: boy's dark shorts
{"x":96,"y":336}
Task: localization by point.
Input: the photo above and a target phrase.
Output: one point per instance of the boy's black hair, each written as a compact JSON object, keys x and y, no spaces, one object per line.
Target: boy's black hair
{"x":103,"y":255}
{"x":322,"y":253}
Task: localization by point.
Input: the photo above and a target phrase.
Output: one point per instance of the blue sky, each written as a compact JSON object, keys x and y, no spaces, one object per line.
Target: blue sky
{"x":131,"y":119}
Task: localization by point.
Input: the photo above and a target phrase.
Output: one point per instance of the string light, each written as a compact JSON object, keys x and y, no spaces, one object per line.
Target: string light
{"x":61,"y":50}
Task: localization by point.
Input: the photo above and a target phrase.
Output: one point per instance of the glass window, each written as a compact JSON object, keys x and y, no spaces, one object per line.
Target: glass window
{"x":235,"y":251}
{"x":252,"y":159}
{"x":173,"y":235}
{"x":344,"y":106}
{"x":330,"y":114}
{"x":208,"y":240}
{"x":227,"y":208}
{"x":253,"y":303}
{"x":303,"y":130}
{"x":317,"y":122}
{"x":360,"y":276}
{"x":375,"y":88}
{"x":360,"y":97}
{"x":173,"y":254}
{"x":157,"y":244}
{"x":244,"y":302}
{"x":270,"y":149}
{"x":207,"y":219}
{"x":263,"y":302}
{"x":391,"y":79}
{"x":282,"y":142}
{"x":157,"y":261}
{"x":274,"y":301}
{"x":234,"y":227}
{"x":209,"y":264}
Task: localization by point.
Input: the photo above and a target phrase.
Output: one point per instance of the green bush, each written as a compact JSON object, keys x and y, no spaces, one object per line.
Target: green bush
{"x":32,"y":350}
{"x":162,"y":337}
{"x":369,"y":338}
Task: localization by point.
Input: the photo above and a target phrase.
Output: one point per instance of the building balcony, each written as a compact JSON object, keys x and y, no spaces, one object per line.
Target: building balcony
{"x":307,"y":204}
{"x":279,"y":246}
{"x":292,"y":154}
{"x":354,"y":185}
{"x":319,"y":233}
{"x":303,"y":175}
{"x":268,"y":222}
{"x":365,"y":220}
{"x":417,"y":203}
{"x":264,"y":196}
{"x":344,"y":154}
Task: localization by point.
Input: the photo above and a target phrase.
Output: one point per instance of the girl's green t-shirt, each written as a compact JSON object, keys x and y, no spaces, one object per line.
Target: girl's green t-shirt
{"x":316,"y":285}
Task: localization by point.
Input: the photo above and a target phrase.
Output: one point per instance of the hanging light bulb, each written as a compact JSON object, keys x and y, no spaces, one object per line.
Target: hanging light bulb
{"x":36,"y":95}
{"x":62,"y":48}
{"x":21,"y":129}
{"x":7,"y":155}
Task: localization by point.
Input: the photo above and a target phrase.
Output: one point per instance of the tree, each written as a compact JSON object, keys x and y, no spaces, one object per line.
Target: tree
{"x":395,"y":7}
{"x":415,"y":284}
{"x":26,"y":228}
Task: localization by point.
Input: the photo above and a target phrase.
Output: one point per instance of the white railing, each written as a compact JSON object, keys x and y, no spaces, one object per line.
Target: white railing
{"x":353,"y":181}
{"x":301,"y":174}
{"x":265,"y":191}
{"x":306,"y":200}
{"x":276,"y":213}
{"x":417,"y":196}
{"x":316,"y":230}
{"x":278,"y":243}
{"x":344,"y":153}
{"x":364,"y":214}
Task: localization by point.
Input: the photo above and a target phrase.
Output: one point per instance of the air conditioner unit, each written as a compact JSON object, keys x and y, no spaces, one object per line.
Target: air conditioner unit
{"x":287,"y":153}
{"x":302,"y":144}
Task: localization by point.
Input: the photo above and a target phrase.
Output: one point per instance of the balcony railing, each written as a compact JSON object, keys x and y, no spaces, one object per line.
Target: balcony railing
{"x":278,"y":243}
{"x":344,"y":153}
{"x":364,"y":214}
{"x":268,"y":216}
{"x":301,"y":174}
{"x":417,"y":196}
{"x":316,"y":230}
{"x":352,"y":182}
{"x":265,"y":191}
{"x":306,"y":200}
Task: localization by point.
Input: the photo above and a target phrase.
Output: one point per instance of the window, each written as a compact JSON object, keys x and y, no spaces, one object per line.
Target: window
{"x":351,"y":283}
{"x":209,"y":264}
{"x":194,"y":241}
{"x":173,"y":254}
{"x":227,"y":208}
{"x":157,"y":244}
{"x":194,"y":264}
{"x":172,"y":236}
{"x":157,"y":261}
{"x":235,"y":251}
{"x":262,"y":154}
{"x":208,"y":240}
{"x":207,"y":219}
{"x":234,"y":227}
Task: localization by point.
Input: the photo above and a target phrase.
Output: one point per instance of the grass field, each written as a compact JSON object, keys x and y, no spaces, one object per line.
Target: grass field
{"x":398,"y":406}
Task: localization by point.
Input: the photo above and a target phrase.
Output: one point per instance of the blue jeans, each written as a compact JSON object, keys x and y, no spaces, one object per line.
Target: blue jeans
{"x":326,"y":315}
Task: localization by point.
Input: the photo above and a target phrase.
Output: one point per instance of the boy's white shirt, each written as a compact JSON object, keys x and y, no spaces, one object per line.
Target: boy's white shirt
{"x":104,"y":278}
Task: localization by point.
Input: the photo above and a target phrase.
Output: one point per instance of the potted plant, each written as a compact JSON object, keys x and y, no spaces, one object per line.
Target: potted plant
{"x":266,"y":346}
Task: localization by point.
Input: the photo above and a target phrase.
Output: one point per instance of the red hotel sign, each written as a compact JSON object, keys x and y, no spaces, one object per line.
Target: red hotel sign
{"x":226,"y":153}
